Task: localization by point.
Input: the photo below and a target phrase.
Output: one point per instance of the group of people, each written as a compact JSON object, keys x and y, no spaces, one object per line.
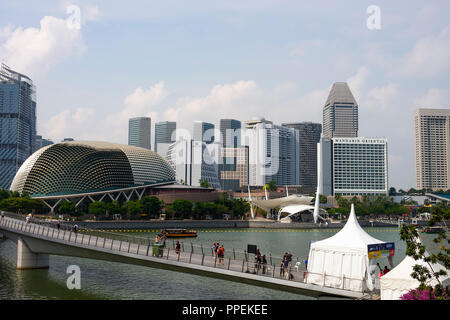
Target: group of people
{"x":382,"y":271}
{"x":218,"y":252}
{"x":285,"y":266}
{"x":260,"y":262}
{"x":160,"y":239}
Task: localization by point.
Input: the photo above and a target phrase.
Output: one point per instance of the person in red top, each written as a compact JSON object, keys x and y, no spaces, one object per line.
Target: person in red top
{"x":386,"y":270}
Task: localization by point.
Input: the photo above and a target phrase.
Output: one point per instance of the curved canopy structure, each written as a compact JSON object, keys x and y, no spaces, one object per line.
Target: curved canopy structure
{"x":87,"y":166}
{"x":341,"y":261}
{"x":283,"y":202}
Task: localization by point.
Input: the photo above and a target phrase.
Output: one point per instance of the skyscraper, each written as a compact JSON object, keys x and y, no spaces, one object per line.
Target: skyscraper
{"x":340,"y":113}
{"x":309,"y":136}
{"x":17,"y":122}
{"x":164,"y":133}
{"x":203,"y":131}
{"x":354,"y":166}
{"x":432,"y":148}
{"x":230,"y":131}
{"x":273,"y":153}
{"x":139,"y":132}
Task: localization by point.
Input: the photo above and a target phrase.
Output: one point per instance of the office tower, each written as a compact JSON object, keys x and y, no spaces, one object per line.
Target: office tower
{"x":195,"y":161}
{"x":203,"y":131}
{"x":340,"y":113}
{"x":164,"y":135}
{"x":432,"y":148}
{"x":273,"y":153}
{"x":40,"y":143}
{"x":139,"y":132}
{"x":309,"y":136}
{"x":17,"y":122}
{"x":230,"y":131}
{"x":233,"y":171}
{"x":354,"y":166}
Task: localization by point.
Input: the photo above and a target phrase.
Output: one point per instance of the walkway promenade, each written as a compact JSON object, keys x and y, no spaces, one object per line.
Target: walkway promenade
{"x":43,"y":238}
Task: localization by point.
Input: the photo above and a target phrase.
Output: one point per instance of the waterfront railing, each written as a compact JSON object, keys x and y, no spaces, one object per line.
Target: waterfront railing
{"x":233,"y":260}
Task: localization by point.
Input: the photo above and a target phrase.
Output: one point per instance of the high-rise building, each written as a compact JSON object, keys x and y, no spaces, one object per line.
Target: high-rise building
{"x":432,"y":148}
{"x":230,"y":131}
{"x":309,"y":136}
{"x":203,"y":131}
{"x":233,"y":170}
{"x":195,"y":161}
{"x":164,"y":134}
{"x":340,"y":113}
{"x":139,"y":132}
{"x":354,"y":166}
{"x":17,"y":122}
{"x":41,"y":142}
{"x":273,"y":153}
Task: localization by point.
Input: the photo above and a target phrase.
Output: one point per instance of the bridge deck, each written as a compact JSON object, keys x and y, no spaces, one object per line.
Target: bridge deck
{"x":141,"y":253}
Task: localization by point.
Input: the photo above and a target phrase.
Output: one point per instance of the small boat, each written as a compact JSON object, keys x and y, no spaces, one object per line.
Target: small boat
{"x":433,"y":229}
{"x":179,"y":233}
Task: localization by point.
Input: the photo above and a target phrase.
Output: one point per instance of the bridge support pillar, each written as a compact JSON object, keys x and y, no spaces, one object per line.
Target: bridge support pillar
{"x":26,"y":259}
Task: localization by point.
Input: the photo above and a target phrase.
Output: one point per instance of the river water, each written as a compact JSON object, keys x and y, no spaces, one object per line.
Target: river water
{"x":109,"y":280}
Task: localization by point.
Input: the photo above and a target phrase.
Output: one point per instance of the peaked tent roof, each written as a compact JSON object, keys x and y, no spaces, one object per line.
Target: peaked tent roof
{"x":399,"y":281}
{"x":340,"y":93}
{"x":351,"y":236}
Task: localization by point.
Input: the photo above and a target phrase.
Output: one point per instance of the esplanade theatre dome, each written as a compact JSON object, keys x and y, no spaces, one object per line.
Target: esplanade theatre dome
{"x":89,"y":166}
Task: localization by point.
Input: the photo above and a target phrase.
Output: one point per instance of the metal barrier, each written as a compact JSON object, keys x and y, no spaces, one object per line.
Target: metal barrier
{"x":234,"y":261}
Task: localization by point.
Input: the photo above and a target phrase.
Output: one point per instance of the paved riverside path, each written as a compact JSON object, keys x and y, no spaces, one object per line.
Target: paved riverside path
{"x":44,"y":238}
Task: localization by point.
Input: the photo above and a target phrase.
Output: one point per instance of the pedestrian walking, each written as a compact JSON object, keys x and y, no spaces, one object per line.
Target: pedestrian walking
{"x":58,"y":224}
{"x":214,"y":249}
{"x":220,"y":253}
{"x":75,"y":228}
{"x":177,"y":249}
{"x":264,"y":264}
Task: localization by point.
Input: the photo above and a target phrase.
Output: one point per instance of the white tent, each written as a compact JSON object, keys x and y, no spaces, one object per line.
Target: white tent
{"x":398,"y":281}
{"x":341,"y":261}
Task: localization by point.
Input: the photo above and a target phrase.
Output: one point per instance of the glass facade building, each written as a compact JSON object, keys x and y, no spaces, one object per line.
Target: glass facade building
{"x":17,"y":122}
{"x":203,"y":131}
{"x":309,"y":136}
{"x":165,"y":133}
{"x":230,"y":131}
{"x":139,"y":132}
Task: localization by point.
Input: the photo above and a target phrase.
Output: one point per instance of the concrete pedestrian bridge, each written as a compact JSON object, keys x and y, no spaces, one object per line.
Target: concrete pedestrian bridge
{"x":37,"y":240}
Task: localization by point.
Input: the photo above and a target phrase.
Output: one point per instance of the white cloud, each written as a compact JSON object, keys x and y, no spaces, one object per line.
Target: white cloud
{"x":34,"y":51}
{"x":379,"y":98}
{"x":68,"y":124}
{"x":429,"y":56}
{"x":434,"y":98}
{"x":357,"y":82}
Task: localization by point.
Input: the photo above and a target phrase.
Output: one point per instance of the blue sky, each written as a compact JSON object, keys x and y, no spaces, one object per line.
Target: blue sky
{"x":203,"y":60}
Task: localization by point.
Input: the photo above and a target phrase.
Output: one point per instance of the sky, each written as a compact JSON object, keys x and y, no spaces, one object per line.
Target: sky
{"x":97,"y":63}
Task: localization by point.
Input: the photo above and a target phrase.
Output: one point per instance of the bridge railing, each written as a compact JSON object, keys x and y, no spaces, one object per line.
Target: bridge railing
{"x":188,"y":253}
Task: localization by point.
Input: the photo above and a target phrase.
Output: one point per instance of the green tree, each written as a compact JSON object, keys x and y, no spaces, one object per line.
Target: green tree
{"x":271,"y":186}
{"x":97,"y":208}
{"x":133,"y":209}
{"x":152,"y":206}
{"x":418,"y":251}
{"x":67,"y":207}
{"x":392,"y":191}
{"x":182,"y":208}
{"x":113,"y":208}
{"x":204,"y":183}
